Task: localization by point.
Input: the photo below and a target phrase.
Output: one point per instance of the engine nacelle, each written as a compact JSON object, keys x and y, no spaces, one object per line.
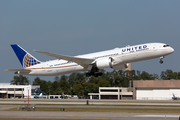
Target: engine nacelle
{"x":110,"y":63}
{"x":104,"y":63}
{"x":120,"y":66}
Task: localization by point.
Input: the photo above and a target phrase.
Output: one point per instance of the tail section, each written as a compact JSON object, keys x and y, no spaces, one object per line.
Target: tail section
{"x":174,"y":95}
{"x":40,"y":95}
{"x":24,"y":57}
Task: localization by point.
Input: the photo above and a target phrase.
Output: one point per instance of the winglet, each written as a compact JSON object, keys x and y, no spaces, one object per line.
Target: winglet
{"x":24,"y":57}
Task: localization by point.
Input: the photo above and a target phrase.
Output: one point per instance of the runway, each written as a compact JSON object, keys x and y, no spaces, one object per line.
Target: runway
{"x":86,"y":115}
{"x":91,"y":102}
{"x":103,"y":104}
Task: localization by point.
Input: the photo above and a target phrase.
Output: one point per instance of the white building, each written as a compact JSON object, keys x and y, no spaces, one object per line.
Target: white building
{"x":155,"y":89}
{"x":17,"y":91}
{"x":112,"y":93}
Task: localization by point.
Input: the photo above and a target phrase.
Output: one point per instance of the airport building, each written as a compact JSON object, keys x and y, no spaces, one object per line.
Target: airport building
{"x":17,"y":91}
{"x":118,"y":93}
{"x":142,"y":90}
{"x":155,"y":89}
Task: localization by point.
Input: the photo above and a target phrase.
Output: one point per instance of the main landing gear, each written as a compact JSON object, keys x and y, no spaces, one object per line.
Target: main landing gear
{"x":161,"y":61}
{"x":95,"y":74}
{"x":94,"y":71}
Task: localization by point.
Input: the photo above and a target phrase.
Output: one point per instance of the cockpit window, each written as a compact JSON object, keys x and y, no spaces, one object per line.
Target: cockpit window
{"x":165,"y":45}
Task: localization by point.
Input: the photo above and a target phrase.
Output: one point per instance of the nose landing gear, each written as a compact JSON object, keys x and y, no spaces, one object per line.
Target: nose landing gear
{"x":161,"y":61}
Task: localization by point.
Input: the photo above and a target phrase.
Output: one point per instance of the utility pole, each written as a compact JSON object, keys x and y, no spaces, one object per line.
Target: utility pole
{"x":49,"y":90}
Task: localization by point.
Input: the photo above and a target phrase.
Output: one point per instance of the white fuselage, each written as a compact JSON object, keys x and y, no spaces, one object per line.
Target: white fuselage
{"x":120,"y":55}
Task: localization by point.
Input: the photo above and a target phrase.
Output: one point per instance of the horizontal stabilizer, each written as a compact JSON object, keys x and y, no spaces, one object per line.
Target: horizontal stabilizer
{"x":18,"y":71}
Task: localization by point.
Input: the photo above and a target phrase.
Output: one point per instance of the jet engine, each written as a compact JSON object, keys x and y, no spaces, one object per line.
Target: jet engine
{"x":110,"y":63}
{"x":104,"y":63}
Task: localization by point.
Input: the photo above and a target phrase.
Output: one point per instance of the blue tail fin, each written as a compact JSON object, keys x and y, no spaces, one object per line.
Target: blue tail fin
{"x":24,"y":57}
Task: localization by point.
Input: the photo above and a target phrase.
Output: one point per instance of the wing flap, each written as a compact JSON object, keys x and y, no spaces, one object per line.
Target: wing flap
{"x":81,"y":61}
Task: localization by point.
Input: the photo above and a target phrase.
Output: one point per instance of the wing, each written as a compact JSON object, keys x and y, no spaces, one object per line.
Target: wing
{"x":81,"y":61}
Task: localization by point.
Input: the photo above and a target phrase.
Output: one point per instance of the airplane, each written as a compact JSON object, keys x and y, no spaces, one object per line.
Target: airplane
{"x":38,"y":96}
{"x":117,"y":58}
{"x":175,"y":98}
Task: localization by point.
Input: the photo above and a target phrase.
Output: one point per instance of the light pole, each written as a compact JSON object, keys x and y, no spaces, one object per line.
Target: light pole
{"x":49,"y":90}
{"x":28,"y":96}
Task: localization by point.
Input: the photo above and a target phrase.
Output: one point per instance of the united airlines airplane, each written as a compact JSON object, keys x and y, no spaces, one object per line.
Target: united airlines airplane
{"x":117,"y":58}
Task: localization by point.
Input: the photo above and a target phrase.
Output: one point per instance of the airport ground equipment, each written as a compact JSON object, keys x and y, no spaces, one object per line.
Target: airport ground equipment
{"x":31,"y":107}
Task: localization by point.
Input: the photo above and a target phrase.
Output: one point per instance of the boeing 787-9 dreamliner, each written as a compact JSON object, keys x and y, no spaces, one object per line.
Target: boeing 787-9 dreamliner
{"x":117,"y":58}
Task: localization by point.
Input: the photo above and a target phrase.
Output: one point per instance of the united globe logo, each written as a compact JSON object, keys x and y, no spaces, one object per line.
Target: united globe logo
{"x":29,"y":61}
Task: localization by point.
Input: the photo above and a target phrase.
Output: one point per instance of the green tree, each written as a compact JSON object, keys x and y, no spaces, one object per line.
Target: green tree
{"x":43,"y":84}
{"x":56,"y":78}
{"x":37,"y":81}
{"x":72,"y":78}
{"x":80,"y":78}
{"x":90,"y":88}
{"x":169,"y":74}
{"x":20,"y":80}
{"x":178,"y":75}
{"x":64,"y":85}
{"x":104,"y":83}
{"x":78,"y":89}
{"x":146,"y":76}
{"x":94,"y":80}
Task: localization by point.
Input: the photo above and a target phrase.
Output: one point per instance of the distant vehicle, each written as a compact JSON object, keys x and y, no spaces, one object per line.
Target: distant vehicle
{"x":117,"y":58}
{"x":74,"y":97}
{"x":175,"y":98}
{"x":38,"y":96}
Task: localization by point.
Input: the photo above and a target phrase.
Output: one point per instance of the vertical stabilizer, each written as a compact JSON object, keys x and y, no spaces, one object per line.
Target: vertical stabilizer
{"x":24,"y":57}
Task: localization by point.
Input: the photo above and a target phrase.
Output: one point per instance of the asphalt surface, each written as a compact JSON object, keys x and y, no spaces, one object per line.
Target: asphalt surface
{"x":13,"y":103}
{"x":86,"y":115}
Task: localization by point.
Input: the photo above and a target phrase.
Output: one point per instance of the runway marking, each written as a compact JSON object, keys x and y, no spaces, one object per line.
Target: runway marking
{"x":89,"y":117}
{"x":164,"y":116}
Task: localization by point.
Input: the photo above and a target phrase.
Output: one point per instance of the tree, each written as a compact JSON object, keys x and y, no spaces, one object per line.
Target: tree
{"x":56,"y":78}
{"x":90,"y":88}
{"x":43,"y":84}
{"x":155,"y":76}
{"x":169,"y":74}
{"x":146,"y":76}
{"x":80,"y":78}
{"x":55,"y":88}
{"x":72,"y":79}
{"x":20,"y":80}
{"x":64,"y":85}
{"x":37,"y":81}
{"x":94,"y":80}
{"x":104,"y":83}
{"x":78,"y":89}
{"x":77,"y":83}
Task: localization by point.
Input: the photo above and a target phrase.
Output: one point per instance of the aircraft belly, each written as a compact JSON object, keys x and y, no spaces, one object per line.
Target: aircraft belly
{"x":55,"y":71}
{"x":70,"y":70}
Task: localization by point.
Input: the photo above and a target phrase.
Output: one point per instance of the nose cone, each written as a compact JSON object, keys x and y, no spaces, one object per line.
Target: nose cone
{"x":171,"y":50}
{"x":167,"y":51}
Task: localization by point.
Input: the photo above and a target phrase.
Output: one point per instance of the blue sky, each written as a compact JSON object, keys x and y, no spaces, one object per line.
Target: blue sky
{"x":76,"y":27}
